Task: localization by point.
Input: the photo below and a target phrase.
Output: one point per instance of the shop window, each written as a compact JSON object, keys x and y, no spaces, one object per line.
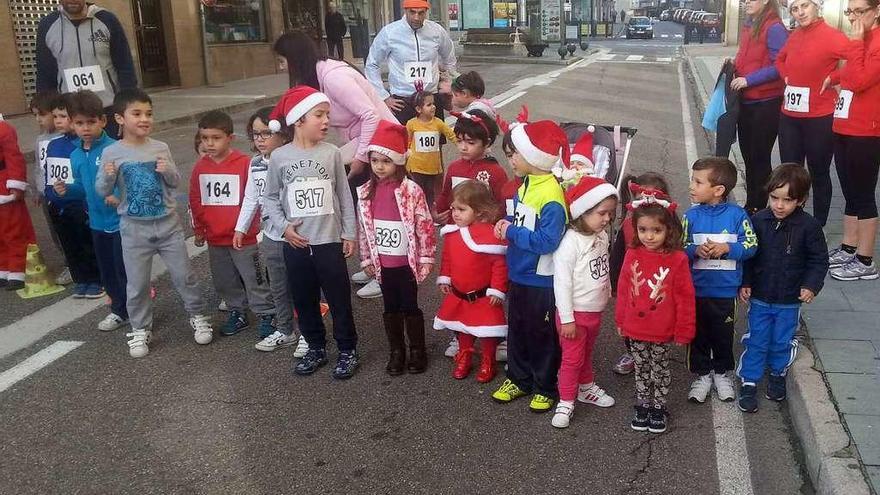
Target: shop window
{"x":235,"y":21}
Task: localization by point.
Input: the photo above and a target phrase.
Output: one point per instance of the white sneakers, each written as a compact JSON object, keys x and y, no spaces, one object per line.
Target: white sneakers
{"x":222,"y":306}
{"x":111,"y":322}
{"x":138,"y":345}
{"x":371,"y":290}
{"x":275,"y":341}
{"x":723,"y":387}
{"x":562,"y":416}
{"x":360,"y":278}
{"x":302,"y":347}
{"x":64,"y":277}
{"x":452,"y":349}
{"x":204,"y":334}
{"x":590,"y":393}
{"x":700,"y":389}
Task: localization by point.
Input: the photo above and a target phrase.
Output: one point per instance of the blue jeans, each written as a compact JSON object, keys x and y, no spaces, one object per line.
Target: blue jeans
{"x":108,"y":252}
{"x":770,"y":341}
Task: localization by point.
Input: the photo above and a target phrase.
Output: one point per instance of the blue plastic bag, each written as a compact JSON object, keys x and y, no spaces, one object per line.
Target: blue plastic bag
{"x":717,"y":106}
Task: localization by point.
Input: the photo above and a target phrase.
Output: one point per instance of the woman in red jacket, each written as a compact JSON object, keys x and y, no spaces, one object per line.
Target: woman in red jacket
{"x":761,"y":39}
{"x":857,"y":143}
{"x":811,"y":53}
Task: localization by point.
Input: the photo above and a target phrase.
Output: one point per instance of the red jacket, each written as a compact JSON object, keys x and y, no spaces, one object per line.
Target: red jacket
{"x":486,"y":170}
{"x":808,"y":57}
{"x":655,"y":297}
{"x":861,"y":76}
{"x":753,"y":55}
{"x":215,"y":194}
{"x":12,"y":165}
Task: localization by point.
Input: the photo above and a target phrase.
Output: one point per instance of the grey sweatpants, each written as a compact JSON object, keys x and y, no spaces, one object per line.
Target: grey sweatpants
{"x":273,"y":256}
{"x":143,"y":239}
{"x":239,"y":278}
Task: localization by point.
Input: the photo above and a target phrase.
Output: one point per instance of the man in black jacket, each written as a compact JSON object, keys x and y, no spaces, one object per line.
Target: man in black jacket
{"x":334,"y":26}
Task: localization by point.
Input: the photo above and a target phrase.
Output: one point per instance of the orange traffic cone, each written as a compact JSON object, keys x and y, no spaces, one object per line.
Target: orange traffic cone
{"x":36,"y":277}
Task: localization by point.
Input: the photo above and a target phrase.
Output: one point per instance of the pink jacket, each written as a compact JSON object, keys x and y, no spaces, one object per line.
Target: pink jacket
{"x":355,"y":108}
{"x":416,"y":218}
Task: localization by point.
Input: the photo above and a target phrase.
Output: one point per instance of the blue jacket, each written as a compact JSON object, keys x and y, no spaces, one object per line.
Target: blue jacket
{"x":718,"y":278}
{"x":793,"y":255}
{"x":86,"y":164}
{"x":538,"y":225}
{"x":58,"y":157}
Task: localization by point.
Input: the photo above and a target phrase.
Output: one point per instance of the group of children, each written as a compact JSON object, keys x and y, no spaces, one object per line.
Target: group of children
{"x":541,"y":248}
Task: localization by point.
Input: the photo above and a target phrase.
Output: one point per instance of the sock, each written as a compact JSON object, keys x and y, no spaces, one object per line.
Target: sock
{"x":847,"y":248}
{"x":585,"y":386}
{"x":865,"y":260}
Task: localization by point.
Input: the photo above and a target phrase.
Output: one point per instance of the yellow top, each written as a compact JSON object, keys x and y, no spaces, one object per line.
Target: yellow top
{"x":424,"y":145}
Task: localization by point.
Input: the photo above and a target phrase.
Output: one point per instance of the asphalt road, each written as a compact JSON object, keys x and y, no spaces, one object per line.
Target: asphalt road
{"x":226,"y":418}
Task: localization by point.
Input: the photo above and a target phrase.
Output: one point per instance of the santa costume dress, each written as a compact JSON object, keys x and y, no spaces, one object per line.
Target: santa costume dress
{"x":16,"y":231}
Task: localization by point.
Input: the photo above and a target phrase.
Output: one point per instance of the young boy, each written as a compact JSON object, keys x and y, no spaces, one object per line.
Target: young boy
{"x":87,"y":115}
{"x":69,"y":216}
{"x":467,"y":94}
{"x":147,"y":180}
{"x":788,"y":270}
{"x":216,"y":189}
{"x":15,"y":222}
{"x":307,"y":192}
{"x":539,"y":219}
{"x":718,"y":238}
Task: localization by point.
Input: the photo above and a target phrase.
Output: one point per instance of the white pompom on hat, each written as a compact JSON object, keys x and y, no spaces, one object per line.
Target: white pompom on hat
{"x":541,"y":143}
{"x":390,"y":139}
{"x":294,"y":104}
{"x":583,"y":149}
{"x":586,"y":194}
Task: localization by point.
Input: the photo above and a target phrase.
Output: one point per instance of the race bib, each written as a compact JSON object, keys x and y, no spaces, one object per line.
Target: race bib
{"x":259,"y":179}
{"x":458,"y":180}
{"x":797,"y":99}
{"x":58,"y":169}
{"x":80,"y":78}
{"x":509,"y":207}
{"x":418,"y":71}
{"x":309,"y":197}
{"x":220,"y":189}
{"x":844,"y":100}
{"x":714,"y":264}
{"x":42,"y":146}
{"x":427,"y":141}
{"x":391,"y":237}
{"x":524,"y":216}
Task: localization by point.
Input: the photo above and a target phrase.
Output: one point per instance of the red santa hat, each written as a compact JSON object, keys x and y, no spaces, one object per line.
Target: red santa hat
{"x":540,"y":143}
{"x":583,"y":149}
{"x":294,"y":104}
{"x":587,"y":193}
{"x":390,"y":139}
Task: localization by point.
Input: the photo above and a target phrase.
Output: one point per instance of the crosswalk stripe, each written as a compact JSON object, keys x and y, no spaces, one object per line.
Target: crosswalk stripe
{"x":634,"y":58}
{"x":607,"y":56}
{"x":664,"y":59}
{"x":36,"y":362}
{"x":664,"y":35}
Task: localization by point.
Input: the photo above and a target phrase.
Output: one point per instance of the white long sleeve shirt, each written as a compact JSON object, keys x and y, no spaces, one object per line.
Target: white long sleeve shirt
{"x":253,"y":201}
{"x":580,"y":274}
{"x":410,"y":55}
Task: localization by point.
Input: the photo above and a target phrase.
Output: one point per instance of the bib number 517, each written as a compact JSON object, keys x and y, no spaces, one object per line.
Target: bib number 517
{"x":309,"y":198}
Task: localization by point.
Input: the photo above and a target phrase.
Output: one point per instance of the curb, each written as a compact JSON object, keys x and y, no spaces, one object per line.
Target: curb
{"x":527,"y":60}
{"x":230,"y":109}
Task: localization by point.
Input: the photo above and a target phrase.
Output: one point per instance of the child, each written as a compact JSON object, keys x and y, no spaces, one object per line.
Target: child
{"x":655,"y":305}
{"x":718,"y":238}
{"x":15,"y":222}
{"x":69,"y":217}
{"x":473,"y":279}
{"x":397,"y":244}
{"x":586,"y":159}
{"x":788,"y":270}
{"x":539,"y":220}
{"x":425,"y":162}
{"x":649,"y":183}
{"x":146,"y":177}
{"x":467,"y":94}
{"x":582,"y":288}
{"x":307,"y":193}
{"x":216,"y":189}
{"x":87,"y":115}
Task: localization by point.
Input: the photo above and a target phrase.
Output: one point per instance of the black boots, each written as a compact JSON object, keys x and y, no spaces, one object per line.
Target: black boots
{"x":396,"y":343}
{"x":415,"y":331}
{"x":414,"y":324}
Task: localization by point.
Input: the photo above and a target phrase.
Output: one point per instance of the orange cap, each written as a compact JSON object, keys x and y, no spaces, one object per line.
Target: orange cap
{"x":416,"y":4}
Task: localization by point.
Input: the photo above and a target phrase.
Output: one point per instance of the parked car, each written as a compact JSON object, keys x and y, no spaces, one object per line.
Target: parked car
{"x":710,"y":20}
{"x":664,"y":16}
{"x":639,"y":27}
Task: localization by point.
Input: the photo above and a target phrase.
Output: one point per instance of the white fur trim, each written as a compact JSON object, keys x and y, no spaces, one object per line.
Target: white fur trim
{"x":532,"y":154}
{"x":426,"y":260}
{"x":591,"y":199}
{"x":15,"y":276}
{"x":303,"y":107}
{"x":478,"y":331}
{"x":495,"y":292}
{"x":16,"y":184}
{"x":444,"y":280}
{"x":397,"y":158}
{"x":581,"y":158}
{"x":448,"y":229}
{"x":481,"y":248}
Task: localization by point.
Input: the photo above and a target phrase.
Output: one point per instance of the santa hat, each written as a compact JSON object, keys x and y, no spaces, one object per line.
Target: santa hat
{"x":540,"y":143}
{"x":294,"y":104}
{"x":587,"y":193}
{"x":583,"y":149}
{"x":390,"y":139}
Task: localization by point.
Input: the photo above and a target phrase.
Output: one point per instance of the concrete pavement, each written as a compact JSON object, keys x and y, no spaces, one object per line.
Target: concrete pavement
{"x":840,"y":433}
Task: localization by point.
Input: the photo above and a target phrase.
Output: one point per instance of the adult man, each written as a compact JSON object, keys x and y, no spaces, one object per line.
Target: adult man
{"x":416,"y":50}
{"x":83,"y":46}
{"x":334,"y":26}
{"x":622,"y":16}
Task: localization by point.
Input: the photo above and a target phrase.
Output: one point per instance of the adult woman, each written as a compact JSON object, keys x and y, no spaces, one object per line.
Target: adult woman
{"x":857,"y":143}
{"x":810,"y":55}
{"x":762,"y":36}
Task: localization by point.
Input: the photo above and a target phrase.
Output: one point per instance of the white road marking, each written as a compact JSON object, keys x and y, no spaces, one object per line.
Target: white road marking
{"x":634,"y":58}
{"x":664,"y":35}
{"x":36,"y":362}
{"x":679,"y":36}
{"x":607,"y":56}
{"x":510,"y":99}
{"x":690,"y":143}
{"x":664,"y":59}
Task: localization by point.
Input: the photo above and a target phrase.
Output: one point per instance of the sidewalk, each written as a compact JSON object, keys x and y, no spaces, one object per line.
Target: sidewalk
{"x":839,"y":352}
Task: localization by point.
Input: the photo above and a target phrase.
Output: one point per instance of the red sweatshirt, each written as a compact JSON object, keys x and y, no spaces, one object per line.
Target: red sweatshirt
{"x":215,"y":194}
{"x":808,"y":57}
{"x":486,"y":170}
{"x":655,"y":297}
{"x":858,"y":110}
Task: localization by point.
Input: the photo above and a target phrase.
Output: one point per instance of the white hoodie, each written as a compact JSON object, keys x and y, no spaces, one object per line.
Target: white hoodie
{"x":580,"y":277}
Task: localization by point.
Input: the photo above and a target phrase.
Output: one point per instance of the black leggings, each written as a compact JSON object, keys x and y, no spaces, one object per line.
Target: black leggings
{"x":810,"y":139}
{"x":400,"y":293}
{"x":857,"y":159}
{"x":757,"y":128}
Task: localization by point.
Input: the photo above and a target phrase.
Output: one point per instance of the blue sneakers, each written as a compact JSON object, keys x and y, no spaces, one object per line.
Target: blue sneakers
{"x":314,"y":359}
{"x":267,"y":325}
{"x":748,"y":398}
{"x":79,"y":291}
{"x":346,"y":364}
{"x":236,"y":322}
{"x":94,"y":291}
{"x":775,"y":388}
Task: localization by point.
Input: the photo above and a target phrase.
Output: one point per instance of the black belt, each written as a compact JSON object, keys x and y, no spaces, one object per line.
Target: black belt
{"x":470,"y":296}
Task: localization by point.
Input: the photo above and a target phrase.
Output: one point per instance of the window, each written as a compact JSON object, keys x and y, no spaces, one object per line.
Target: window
{"x":235,"y":21}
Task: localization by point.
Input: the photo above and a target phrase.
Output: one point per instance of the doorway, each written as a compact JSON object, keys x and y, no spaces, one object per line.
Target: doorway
{"x":151,"y":42}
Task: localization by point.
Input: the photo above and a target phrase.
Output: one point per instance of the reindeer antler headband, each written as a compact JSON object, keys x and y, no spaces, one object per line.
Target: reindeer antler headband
{"x":650,"y":196}
{"x":473,"y":118}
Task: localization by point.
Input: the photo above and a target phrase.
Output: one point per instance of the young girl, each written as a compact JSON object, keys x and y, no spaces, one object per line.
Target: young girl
{"x":473,"y":278}
{"x":425,"y":162}
{"x":582,"y":289}
{"x":655,"y":305}
{"x":647,"y":183}
{"x":396,"y":244}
